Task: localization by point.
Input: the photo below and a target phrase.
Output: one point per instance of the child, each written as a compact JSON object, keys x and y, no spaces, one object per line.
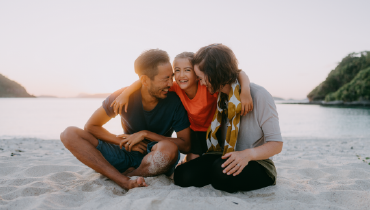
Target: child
{"x":197,"y":100}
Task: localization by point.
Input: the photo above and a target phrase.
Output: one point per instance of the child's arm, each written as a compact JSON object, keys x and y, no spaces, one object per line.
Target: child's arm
{"x":245,"y":95}
{"x":122,"y":99}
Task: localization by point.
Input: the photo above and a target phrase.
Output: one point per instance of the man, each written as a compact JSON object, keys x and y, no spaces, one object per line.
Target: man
{"x":153,"y":113}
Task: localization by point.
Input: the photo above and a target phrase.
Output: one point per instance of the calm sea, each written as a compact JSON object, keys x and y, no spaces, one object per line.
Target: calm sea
{"x":45,"y":118}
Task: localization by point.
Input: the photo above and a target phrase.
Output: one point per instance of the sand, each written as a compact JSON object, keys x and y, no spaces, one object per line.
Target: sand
{"x":312,"y":174}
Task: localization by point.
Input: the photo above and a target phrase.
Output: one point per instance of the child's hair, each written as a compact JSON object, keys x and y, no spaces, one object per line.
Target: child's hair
{"x":188,"y":55}
{"x":218,"y":63}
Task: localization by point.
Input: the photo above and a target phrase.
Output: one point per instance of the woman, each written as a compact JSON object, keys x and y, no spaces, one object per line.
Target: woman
{"x":239,"y":147}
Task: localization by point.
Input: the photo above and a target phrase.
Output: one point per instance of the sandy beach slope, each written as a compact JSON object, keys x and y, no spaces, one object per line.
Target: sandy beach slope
{"x":312,"y":174}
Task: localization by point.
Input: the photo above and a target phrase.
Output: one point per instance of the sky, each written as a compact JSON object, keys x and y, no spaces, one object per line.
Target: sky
{"x":64,"y":48}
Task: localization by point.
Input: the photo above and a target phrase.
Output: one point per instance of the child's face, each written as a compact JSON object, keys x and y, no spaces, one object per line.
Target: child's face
{"x":184,"y":73}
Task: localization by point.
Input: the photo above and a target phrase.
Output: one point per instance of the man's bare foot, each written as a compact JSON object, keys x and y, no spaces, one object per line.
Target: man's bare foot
{"x":139,"y":182}
{"x":128,"y":171}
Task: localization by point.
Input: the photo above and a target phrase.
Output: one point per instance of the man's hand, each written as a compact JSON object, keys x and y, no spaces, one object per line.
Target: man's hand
{"x":130,"y":140}
{"x":236,"y":161}
{"x":140,"y":147}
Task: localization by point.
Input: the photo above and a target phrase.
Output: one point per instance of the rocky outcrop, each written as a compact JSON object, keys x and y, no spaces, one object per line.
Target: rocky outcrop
{"x":11,"y":89}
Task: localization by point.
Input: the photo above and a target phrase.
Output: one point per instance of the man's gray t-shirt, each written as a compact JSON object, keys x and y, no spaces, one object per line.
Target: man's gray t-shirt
{"x":262,"y":121}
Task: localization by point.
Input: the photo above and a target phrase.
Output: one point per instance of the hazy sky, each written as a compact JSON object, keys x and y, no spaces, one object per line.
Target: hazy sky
{"x":65,"y":48}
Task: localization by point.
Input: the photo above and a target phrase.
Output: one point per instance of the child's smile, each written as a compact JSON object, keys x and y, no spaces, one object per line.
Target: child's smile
{"x":184,"y":73}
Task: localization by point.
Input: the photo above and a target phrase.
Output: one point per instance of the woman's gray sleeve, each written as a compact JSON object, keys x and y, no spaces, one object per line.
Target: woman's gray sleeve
{"x":267,"y":115}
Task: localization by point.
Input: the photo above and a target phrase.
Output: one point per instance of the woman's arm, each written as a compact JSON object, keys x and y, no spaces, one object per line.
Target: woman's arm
{"x":122,"y":99}
{"x":245,"y":95}
{"x":236,"y":161}
{"x":268,"y":120}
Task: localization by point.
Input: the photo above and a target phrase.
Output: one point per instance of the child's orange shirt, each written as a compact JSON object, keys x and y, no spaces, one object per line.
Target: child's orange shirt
{"x":200,"y":109}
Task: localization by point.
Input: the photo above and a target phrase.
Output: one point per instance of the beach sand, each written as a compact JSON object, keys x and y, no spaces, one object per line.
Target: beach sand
{"x":312,"y":174}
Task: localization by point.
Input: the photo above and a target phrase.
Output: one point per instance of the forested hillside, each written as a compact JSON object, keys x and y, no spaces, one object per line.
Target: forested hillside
{"x":356,"y":90}
{"x":349,"y":81}
{"x":10,"y":88}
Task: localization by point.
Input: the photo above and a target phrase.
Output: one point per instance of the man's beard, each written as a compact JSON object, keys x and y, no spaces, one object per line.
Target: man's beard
{"x":155,"y":92}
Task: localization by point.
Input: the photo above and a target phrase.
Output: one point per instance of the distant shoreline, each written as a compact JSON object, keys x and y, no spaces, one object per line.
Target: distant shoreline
{"x":359,"y":104}
{"x":331,"y":103}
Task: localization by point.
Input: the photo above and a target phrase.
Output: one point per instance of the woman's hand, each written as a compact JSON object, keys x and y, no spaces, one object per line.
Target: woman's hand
{"x":131,"y":140}
{"x":247,"y":101}
{"x":236,"y":161}
{"x":119,"y":102}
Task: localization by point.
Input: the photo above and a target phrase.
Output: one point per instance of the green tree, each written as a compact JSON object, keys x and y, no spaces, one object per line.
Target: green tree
{"x":357,"y":89}
{"x":344,"y":73}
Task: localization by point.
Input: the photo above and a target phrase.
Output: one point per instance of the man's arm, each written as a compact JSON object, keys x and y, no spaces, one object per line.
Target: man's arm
{"x":182,"y":141}
{"x":95,"y":126}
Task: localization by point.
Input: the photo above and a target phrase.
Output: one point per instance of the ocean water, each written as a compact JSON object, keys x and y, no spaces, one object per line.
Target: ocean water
{"x":46,"y":118}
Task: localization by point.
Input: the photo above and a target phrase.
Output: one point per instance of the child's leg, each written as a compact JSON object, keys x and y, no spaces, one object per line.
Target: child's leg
{"x":198,"y":145}
{"x":195,"y":173}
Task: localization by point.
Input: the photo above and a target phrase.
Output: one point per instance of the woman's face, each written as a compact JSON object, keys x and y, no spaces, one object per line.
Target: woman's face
{"x":184,"y":73}
{"x":203,"y":80}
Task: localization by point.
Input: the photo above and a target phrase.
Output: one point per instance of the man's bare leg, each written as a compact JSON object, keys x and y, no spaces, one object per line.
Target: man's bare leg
{"x":163,"y":156}
{"x":83,"y":146}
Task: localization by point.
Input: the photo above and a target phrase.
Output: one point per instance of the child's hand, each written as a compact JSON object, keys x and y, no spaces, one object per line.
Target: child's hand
{"x":247,"y":102}
{"x":119,"y":102}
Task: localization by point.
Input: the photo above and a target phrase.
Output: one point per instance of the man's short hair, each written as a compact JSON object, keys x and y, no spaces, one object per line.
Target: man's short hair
{"x":148,"y":61}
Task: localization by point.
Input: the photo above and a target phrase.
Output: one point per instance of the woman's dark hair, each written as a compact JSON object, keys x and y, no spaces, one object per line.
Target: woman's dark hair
{"x":187,"y":55}
{"x":219,"y":64}
{"x":148,"y":61}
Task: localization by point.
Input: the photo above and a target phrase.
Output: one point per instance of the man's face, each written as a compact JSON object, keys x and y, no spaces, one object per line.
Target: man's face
{"x":162,"y":81}
{"x":203,"y":80}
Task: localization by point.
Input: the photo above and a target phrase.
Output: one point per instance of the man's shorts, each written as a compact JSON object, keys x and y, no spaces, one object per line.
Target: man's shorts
{"x":122,"y":159}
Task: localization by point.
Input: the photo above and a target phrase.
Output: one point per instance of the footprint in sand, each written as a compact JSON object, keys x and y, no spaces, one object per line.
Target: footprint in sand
{"x":6,"y":190}
{"x":19,"y":182}
{"x":42,"y":170}
{"x":8,"y":170}
{"x":25,"y":192}
{"x":64,"y":176}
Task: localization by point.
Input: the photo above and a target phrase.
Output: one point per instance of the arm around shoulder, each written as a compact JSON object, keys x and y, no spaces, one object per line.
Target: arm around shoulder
{"x":245,"y":94}
{"x":123,"y":98}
